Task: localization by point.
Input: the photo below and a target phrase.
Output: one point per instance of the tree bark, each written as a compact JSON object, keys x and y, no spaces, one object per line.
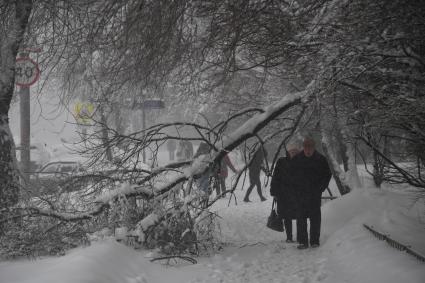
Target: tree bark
{"x":342,"y":149}
{"x":9,"y":188}
{"x":10,"y":41}
{"x":352,"y":174}
{"x":105,"y":138}
{"x":338,"y":176}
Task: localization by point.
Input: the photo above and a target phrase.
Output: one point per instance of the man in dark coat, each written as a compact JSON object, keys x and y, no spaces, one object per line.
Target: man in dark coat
{"x":312,"y":175}
{"x":254,"y":173}
{"x":189,"y":149}
{"x":282,"y":188}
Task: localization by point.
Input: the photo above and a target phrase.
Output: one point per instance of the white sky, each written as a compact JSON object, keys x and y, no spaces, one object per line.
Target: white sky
{"x":51,"y":123}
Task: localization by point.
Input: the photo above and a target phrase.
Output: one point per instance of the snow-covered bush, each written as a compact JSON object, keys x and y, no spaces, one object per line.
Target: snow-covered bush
{"x":170,"y":226}
{"x":40,"y":236}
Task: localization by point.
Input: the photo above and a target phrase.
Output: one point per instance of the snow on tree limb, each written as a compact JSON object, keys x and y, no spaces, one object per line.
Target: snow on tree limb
{"x":197,"y":167}
{"x":256,"y":123}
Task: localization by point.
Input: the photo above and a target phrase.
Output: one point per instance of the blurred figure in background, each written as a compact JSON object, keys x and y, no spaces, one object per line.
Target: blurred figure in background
{"x":204,"y":179}
{"x":171,"y":147}
{"x":222,"y":174}
{"x":255,"y":168}
{"x":184,"y":150}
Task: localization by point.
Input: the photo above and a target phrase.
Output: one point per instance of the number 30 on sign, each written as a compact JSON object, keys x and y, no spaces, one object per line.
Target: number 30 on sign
{"x":26,"y":72}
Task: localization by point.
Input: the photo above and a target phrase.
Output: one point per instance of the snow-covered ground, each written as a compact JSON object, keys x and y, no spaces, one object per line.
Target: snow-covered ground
{"x":253,"y":253}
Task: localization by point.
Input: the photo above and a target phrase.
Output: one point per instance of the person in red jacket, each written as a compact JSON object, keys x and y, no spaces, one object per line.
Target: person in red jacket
{"x":222,"y":174}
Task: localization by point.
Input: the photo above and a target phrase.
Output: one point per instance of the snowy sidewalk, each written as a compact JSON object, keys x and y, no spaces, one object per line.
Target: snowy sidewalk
{"x":269,"y":263}
{"x":256,"y":253}
{"x":253,"y":253}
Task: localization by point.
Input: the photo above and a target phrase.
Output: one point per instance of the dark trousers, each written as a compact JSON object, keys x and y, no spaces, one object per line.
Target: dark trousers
{"x":285,"y":214}
{"x":254,"y":180}
{"x":288,"y":227}
{"x":171,"y":154}
{"x":315,"y":222}
{"x":220,"y":185}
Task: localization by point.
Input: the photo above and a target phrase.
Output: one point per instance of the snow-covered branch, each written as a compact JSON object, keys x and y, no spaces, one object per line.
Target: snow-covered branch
{"x":199,"y":165}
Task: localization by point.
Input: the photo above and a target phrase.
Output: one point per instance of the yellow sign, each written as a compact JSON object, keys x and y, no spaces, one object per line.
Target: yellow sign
{"x":83,"y":112}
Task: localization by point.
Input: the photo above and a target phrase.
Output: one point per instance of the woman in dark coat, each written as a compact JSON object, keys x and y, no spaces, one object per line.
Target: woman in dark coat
{"x":282,"y":188}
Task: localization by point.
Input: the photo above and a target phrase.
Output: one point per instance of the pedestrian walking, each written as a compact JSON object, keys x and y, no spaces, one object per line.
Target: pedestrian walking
{"x":171,"y":147}
{"x":204,"y":178}
{"x":254,"y":169}
{"x":282,"y":188}
{"x":222,"y":174}
{"x":184,"y":150}
{"x":311,"y":177}
{"x":189,"y":149}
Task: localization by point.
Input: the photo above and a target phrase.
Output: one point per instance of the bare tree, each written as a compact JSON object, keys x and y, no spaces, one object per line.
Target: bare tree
{"x":14,"y":20}
{"x":341,"y":56}
{"x":157,"y":190}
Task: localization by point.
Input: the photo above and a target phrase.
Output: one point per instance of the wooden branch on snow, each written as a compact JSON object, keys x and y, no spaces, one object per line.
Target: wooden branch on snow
{"x":395,"y":244}
{"x":186,"y":258}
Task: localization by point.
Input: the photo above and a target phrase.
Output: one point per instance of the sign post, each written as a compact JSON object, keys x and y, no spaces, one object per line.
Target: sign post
{"x":149,"y":104}
{"x":26,"y":71}
{"x":26,"y":74}
{"x":83,"y":113}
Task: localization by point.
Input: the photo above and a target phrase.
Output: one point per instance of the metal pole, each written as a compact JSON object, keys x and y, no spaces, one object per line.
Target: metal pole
{"x":144,"y":128}
{"x":25,"y":124}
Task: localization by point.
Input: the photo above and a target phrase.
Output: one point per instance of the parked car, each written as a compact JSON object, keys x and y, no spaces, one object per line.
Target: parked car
{"x":55,"y":176}
{"x":39,"y":156}
{"x":60,"y":168}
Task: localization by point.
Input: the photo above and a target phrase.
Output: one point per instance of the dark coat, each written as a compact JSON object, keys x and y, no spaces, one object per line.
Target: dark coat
{"x":203,"y":148}
{"x":257,"y":163}
{"x":311,"y":178}
{"x":171,"y":145}
{"x":282,"y":187}
{"x":189,"y":149}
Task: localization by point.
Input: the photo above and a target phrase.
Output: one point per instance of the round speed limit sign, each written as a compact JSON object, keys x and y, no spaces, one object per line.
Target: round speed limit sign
{"x":26,"y":72}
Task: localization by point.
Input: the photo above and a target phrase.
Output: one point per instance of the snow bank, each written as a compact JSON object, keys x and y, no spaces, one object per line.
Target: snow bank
{"x":336,"y":214}
{"x":103,"y":262}
{"x":355,"y":255}
{"x":253,"y":253}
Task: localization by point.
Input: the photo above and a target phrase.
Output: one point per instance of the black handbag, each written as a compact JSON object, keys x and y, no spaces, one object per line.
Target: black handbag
{"x":274,"y":221}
